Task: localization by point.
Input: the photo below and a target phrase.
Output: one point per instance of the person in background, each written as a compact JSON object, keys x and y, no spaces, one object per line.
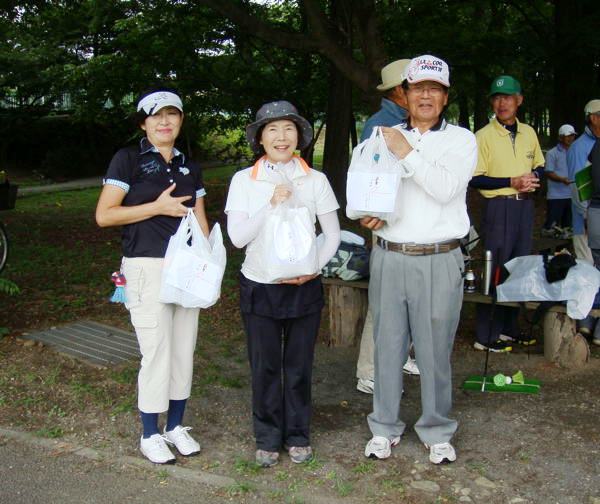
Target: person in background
{"x":282,"y":318}
{"x":593,"y":218}
{"x":577,"y":159}
{"x":147,"y":189}
{"x":392,"y":112}
{"x":416,"y":280}
{"x":558,"y":195}
{"x":510,"y":164}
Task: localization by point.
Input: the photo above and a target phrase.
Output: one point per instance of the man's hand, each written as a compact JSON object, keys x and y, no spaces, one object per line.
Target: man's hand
{"x":168,"y":205}
{"x":525,"y":183}
{"x":396,"y":142}
{"x":299,"y":280}
{"x":372,"y":223}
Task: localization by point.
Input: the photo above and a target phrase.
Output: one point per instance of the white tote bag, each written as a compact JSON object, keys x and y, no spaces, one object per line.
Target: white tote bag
{"x":194,"y":266}
{"x":288,"y":241}
{"x":374,"y":183}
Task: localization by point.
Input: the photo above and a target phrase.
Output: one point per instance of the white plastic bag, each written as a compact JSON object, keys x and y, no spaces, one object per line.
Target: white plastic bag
{"x":527,"y":282}
{"x":288,"y":241}
{"x":194,"y":266}
{"x":374,"y":183}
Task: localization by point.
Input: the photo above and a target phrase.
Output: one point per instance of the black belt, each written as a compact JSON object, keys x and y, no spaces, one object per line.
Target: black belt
{"x":418,"y":249}
{"x":518,"y":196}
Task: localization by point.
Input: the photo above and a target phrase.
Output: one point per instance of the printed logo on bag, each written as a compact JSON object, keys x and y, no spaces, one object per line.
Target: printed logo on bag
{"x":150,"y":167}
{"x":184,"y":170}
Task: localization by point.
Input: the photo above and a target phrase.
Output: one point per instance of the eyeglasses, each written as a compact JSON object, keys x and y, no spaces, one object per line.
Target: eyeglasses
{"x":431,"y":90}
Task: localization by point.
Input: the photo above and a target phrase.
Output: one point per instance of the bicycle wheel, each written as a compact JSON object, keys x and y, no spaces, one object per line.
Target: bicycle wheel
{"x":3,"y":246}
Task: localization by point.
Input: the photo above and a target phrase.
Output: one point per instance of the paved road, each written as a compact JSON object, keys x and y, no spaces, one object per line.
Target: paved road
{"x":35,"y":470}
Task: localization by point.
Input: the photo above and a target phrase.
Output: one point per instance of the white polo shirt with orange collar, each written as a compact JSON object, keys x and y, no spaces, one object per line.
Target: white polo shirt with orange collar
{"x":251,"y":190}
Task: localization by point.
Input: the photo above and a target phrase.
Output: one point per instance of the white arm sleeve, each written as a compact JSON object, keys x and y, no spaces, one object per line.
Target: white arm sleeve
{"x":243,"y":229}
{"x":331,"y":229}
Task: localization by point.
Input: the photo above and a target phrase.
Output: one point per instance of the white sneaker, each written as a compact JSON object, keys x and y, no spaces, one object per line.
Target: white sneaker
{"x":411,"y":367}
{"x":506,"y":338}
{"x":365,"y":385}
{"x":596,"y":341}
{"x":380,"y":447}
{"x":156,"y":450}
{"x":441,"y":452}
{"x":185,"y":444}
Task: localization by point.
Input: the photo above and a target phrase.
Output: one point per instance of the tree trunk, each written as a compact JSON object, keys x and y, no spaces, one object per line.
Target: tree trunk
{"x":576,"y":78}
{"x":336,"y":155}
{"x":463,"y":111}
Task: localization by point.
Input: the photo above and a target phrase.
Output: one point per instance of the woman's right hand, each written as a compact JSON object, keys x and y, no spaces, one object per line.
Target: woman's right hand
{"x":280,"y":194}
{"x":171,"y":206}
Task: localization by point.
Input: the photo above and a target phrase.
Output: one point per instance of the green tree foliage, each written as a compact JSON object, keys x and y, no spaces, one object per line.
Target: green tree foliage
{"x":227,"y":57}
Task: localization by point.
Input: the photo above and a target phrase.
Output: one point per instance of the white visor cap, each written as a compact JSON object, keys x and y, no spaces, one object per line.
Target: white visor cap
{"x":153,"y":102}
{"x":428,"y":68}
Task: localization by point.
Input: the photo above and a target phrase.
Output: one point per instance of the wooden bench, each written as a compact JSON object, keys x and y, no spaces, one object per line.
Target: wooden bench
{"x":348,"y":303}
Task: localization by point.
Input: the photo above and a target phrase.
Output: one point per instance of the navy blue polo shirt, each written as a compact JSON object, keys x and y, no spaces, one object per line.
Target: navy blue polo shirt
{"x":144,"y":174}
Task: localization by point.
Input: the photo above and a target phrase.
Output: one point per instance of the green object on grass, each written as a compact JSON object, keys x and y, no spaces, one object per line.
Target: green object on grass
{"x":518,"y":377}
{"x":583,"y":181}
{"x":475,"y":382}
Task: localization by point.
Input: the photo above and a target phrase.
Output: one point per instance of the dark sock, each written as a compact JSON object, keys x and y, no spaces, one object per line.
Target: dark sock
{"x":150,"y":423}
{"x":175,"y":415}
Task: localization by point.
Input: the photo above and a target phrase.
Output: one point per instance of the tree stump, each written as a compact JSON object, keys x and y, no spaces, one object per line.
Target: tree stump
{"x":562,"y":343}
{"x":347,"y":311}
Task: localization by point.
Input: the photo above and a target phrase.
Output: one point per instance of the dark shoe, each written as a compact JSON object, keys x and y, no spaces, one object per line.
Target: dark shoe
{"x":266,"y":458}
{"x":496,"y":346}
{"x":300,"y":454}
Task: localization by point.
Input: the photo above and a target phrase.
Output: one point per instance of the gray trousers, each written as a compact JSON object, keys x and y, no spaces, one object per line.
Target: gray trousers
{"x":418,"y":297}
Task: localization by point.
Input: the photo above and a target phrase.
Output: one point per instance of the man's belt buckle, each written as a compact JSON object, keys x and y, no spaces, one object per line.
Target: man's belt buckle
{"x":521,"y":196}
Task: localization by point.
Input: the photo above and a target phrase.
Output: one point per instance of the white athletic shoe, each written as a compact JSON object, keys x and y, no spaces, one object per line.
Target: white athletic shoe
{"x":156,"y":450}
{"x":441,"y":452}
{"x":411,"y":367}
{"x":380,"y":447}
{"x":185,"y":444}
{"x":365,"y":385}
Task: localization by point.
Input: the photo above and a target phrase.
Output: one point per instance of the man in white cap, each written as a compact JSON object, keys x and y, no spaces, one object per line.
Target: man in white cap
{"x":392,"y":112}
{"x":416,"y":283}
{"x":577,"y":160}
{"x":558,"y":196}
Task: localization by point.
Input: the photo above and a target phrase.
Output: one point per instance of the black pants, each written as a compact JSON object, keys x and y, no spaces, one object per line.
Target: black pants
{"x":507,"y":228}
{"x":558,"y":211}
{"x":281,"y":323}
{"x":281,"y":358}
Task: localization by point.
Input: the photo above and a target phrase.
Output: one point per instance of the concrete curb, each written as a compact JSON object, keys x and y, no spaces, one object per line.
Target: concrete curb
{"x":174,"y":471}
{"x":196,"y":476}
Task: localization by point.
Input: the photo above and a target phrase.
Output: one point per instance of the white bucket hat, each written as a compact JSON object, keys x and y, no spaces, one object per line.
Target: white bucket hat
{"x":428,"y":68}
{"x":392,"y":75}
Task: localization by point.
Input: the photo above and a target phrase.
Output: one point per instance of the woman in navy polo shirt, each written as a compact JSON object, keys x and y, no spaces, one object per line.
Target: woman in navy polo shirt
{"x":288,"y":311}
{"x":147,"y":189}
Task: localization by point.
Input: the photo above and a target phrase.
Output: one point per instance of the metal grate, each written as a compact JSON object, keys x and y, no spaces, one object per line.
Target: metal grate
{"x":89,"y":341}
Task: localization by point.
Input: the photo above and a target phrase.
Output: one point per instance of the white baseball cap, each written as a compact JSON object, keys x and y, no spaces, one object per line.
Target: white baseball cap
{"x":153,"y":102}
{"x":428,"y":68}
{"x":592,"y":107}
{"x":566,"y":130}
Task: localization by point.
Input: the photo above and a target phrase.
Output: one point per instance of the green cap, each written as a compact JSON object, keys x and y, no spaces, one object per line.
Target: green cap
{"x":505,"y":84}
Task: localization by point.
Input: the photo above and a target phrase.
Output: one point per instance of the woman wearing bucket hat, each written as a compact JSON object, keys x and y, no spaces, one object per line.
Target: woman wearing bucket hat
{"x":147,"y":189}
{"x":281,"y":318}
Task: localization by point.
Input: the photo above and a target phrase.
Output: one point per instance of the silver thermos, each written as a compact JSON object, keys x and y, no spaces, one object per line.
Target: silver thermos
{"x":487,"y":272}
